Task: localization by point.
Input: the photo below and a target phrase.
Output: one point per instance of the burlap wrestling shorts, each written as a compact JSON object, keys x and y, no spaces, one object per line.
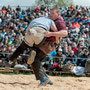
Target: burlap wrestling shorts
{"x":35,"y":36}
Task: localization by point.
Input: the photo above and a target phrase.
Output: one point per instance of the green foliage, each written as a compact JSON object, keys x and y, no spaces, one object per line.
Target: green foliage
{"x":64,"y":3}
{"x":45,"y":2}
{"x":58,"y":3}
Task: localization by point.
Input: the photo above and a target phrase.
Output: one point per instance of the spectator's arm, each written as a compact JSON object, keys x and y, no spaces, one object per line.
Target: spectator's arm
{"x":53,"y":53}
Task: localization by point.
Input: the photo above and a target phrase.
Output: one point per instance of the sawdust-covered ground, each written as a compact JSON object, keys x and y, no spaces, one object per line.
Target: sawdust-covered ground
{"x":28,"y":82}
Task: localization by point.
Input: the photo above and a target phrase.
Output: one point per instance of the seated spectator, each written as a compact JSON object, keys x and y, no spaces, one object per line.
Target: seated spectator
{"x":74,"y":47}
{"x":81,"y":43}
{"x":65,"y":51}
{"x":59,"y":57}
{"x":71,"y":57}
{"x":83,"y":58}
{"x":69,"y":41}
{"x":83,"y":35}
{"x":69,"y":48}
{"x":46,"y":62}
{"x":49,"y":60}
{"x":79,"y":52}
{"x":3,"y":52}
{"x":58,"y":60}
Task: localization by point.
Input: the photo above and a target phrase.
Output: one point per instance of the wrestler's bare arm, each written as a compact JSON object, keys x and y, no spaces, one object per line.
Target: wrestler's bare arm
{"x":57,"y":40}
{"x":62,"y":33}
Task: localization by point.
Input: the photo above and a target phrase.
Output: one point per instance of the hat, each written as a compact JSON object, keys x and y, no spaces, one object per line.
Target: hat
{"x":86,"y":50}
{"x":59,"y":49}
{"x":81,"y":39}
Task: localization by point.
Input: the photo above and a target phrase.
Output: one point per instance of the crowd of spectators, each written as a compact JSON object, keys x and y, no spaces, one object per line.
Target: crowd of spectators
{"x":74,"y":48}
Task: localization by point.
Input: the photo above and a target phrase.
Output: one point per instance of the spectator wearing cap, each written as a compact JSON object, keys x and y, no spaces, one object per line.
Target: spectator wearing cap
{"x":83,"y":45}
{"x":81,"y":39}
{"x":60,"y":55}
{"x":58,"y":60}
{"x":83,"y":58}
{"x":81,"y":42}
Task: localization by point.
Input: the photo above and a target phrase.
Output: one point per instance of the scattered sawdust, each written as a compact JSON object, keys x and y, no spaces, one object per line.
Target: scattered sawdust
{"x":28,"y":82}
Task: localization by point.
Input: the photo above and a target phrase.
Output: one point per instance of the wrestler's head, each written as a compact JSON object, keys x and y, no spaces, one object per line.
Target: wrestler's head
{"x":54,"y":13}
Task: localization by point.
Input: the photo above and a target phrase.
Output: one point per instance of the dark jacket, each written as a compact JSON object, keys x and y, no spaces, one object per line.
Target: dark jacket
{"x":73,"y":59}
{"x":82,"y":60}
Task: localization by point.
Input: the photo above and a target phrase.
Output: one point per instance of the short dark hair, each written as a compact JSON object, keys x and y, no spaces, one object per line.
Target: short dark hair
{"x":57,"y":9}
